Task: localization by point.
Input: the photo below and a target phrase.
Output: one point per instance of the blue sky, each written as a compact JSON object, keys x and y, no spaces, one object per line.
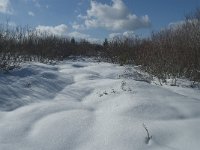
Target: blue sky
{"x":95,"y":19}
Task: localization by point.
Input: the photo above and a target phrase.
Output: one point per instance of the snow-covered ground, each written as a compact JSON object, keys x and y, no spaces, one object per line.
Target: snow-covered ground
{"x":85,"y":105}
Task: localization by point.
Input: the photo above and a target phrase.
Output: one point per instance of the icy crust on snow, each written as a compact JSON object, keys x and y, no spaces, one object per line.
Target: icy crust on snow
{"x":84,"y":105}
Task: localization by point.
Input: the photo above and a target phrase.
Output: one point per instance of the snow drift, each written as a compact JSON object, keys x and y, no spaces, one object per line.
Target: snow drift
{"x":85,"y":105}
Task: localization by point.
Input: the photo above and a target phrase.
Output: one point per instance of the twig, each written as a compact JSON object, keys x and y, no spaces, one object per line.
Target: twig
{"x":148,"y":138}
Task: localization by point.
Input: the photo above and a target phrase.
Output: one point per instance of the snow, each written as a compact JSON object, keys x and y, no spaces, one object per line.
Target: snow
{"x":85,"y":105}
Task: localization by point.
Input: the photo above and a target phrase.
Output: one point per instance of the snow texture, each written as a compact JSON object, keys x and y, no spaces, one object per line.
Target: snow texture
{"x":85,"y":105}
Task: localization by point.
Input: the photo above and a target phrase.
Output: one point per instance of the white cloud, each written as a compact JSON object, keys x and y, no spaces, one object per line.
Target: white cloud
{"x":128,"y":34}
{"x":176,"y":24}
{"x":60,"y":30}
{"x":113,"y":17}
{"x":78,"y":35}
{"x":77,"y":26}
{"x":30,"y":13}
{"x":113,"y":35}
{"x":123,"y":34}
{"x":5,"y":7}
{"x":82,"y":16}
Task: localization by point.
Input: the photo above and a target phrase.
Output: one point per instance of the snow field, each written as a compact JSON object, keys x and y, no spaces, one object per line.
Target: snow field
{"x":86,"y":105}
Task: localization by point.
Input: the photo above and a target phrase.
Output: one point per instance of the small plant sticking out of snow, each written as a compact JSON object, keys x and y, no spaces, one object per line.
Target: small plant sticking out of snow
{"x":113,"y":91}
{"x":124,"y":87}
{"x":148,"y":138}
{"x":123,"y":84}
{"x":104,"y":93}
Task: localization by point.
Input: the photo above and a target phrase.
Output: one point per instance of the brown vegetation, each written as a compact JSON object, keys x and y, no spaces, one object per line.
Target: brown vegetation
{"x":171,"y":53}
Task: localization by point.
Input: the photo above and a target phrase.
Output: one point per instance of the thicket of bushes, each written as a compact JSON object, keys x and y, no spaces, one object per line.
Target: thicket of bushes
{"x":170,"y":53}
{"x":22,"y":44}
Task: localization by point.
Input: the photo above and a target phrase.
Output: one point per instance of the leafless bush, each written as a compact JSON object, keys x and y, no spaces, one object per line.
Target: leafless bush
{"x":25,"y":44}
{"x":170,"y":53}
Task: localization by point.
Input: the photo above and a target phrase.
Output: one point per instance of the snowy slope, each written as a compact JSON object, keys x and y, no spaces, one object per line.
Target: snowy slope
{"x":84,"y":105}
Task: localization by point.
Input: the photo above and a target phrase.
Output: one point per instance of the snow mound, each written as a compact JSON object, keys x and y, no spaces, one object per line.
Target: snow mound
{"x":85,"y":105}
